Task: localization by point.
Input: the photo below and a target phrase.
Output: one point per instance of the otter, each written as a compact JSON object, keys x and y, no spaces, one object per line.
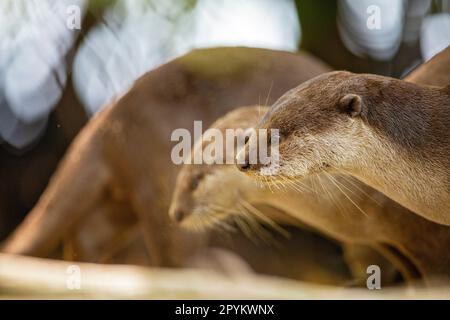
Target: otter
{"x":435,"y":72}
{"x":119,"y":168}
{"x":339,"y":206}
{"x":390,"y":134}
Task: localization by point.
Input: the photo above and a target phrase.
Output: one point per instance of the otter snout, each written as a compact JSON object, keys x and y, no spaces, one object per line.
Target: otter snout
{"x":243,"y":159}
{"x":244,"y":162}
{"x":177,"y":214}
{"x":244,"y":166}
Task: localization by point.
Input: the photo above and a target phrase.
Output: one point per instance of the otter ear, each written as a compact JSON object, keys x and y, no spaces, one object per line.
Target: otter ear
{"x":351,"y":104}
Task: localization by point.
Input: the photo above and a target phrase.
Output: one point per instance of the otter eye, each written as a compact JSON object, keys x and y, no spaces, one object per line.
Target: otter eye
{"x":194,"y":184}
{"x":195,"y":181}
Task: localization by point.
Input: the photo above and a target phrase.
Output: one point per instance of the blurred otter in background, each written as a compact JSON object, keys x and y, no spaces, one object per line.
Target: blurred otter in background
{"x":118,"y":172}
{"x":435,"y":72}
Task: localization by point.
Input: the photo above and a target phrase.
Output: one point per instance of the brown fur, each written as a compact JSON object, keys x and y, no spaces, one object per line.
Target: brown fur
{"x":390,"y":134}
{"x":337,"y":205}
{"x":433,"y":73}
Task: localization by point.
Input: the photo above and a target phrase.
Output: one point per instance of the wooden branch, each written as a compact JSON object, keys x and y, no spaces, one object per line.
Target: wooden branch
{"x":26,"y":277}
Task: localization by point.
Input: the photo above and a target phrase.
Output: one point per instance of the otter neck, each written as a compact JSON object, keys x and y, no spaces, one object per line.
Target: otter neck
{"x":415,"y":120}
{"x":411,"y":142}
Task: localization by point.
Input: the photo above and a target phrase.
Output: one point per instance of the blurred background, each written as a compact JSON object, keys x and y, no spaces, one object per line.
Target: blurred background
{"x":61,"y":61}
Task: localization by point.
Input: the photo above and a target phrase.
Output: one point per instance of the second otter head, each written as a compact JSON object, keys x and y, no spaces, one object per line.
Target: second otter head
{"x":319,"y":123}
{"x":207,"y":195}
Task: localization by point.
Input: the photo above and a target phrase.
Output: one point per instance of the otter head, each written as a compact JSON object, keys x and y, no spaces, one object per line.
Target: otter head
{"x":206,"y":195}
{"x":320,"y":124}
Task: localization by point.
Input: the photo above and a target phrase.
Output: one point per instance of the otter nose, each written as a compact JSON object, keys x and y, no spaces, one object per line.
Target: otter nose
{"x":244,"y":166}
{"x":178,"y":215}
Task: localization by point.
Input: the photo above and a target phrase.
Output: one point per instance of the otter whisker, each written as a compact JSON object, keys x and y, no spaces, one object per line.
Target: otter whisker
{"x":345,"y":186}
{"x":217,"y":220}
{"x":259,"y":231}
{"x":347,"y":177}
{"x":314,"y":185}
{"x":279,"y":184}
{"x":231,"y":213}
{"x":331,"y":178}
{"x":267,"y":182}
{"x":260,"y":215}
{"x":296,"y":186}
{"x":225,"y":210}
{"x":244,"y":228}
{"x":286,"y":184}
{"x":331,"y":196}
{"x":275,"y":183}
{"x":258,"y":181}
{"x":268,"y":94}
{"x":305,"y":186}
